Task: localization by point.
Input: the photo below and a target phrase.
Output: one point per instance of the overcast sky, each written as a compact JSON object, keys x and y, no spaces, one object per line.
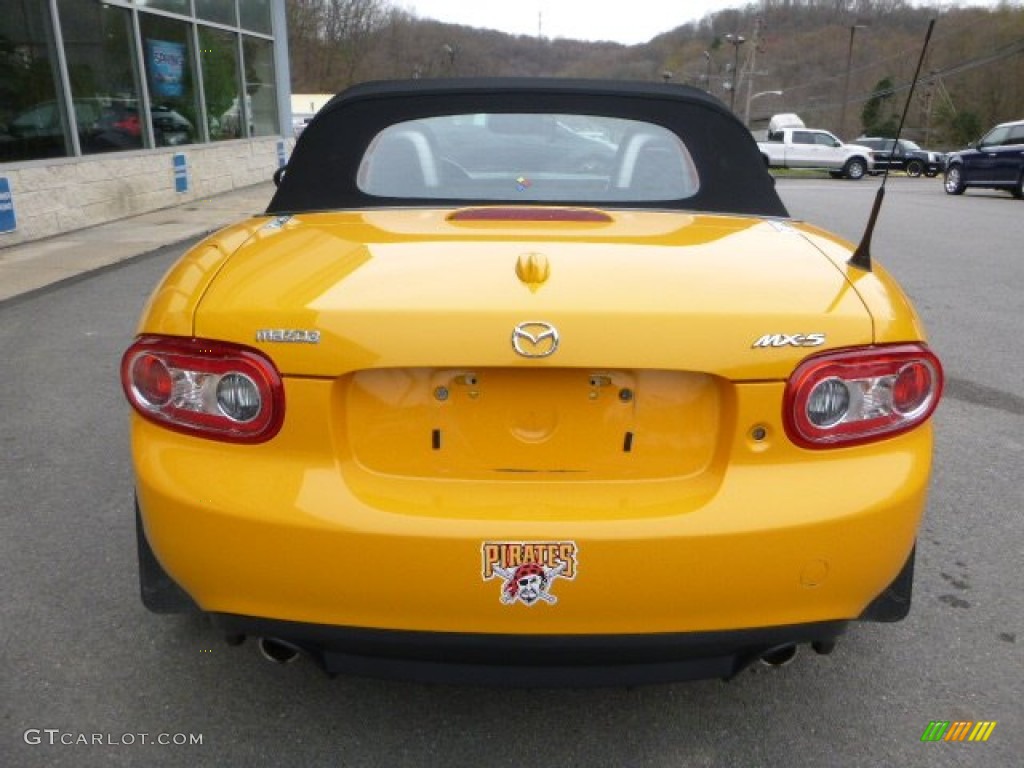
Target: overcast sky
{"x":628,"y":21}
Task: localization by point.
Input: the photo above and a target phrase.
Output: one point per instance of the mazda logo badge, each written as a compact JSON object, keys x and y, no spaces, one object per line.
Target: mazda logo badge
{"x":535,"y":339}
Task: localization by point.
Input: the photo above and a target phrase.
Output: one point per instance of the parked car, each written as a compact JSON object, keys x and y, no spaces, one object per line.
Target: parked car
{"x":171,"y":128}
{"x":995,"y":161}
{"x":119,"y":127}
{"x":903,"y":155}
{"x":639,"y":423}
{"x":812,"y":148}
{"x":103,"y":125}
{"x":38,"y":131}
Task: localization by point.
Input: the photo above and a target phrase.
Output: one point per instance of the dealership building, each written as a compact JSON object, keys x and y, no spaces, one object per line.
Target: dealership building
{"x":113,"y":108}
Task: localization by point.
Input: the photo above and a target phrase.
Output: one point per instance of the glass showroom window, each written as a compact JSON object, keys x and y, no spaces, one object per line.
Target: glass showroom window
{"x":220,"y":11}
{"x":167,"y":50}
{"x":222,"y":84}
{"x":255,"y":15}
{"x":183,"y":7}
{"x":32,"y":120}
{"x":260,"y":85}
{"x":104,"y":88}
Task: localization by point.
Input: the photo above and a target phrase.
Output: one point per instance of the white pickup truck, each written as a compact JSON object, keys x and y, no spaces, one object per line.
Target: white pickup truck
{"x":813,"y":148}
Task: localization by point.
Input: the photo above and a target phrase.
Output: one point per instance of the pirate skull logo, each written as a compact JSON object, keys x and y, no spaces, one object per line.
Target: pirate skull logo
{"x":528,"y":583}
{"x":527,"y":569}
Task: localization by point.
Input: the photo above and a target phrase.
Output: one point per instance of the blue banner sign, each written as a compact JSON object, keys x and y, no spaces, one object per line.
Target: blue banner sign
{"x":166,"y":68}
{"x":180,"y":173}
{"x":8,"y":222}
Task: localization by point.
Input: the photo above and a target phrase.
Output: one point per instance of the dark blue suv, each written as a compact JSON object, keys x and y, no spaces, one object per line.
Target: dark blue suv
{"x":995,"y":161}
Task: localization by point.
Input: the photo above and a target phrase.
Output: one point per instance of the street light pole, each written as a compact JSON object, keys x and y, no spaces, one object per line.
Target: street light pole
{"x":735,"y":41}
{"x":846,"y":81}
{"x":753,"y":69}
{"x":450,"y":51}
{"x":755,"y":96}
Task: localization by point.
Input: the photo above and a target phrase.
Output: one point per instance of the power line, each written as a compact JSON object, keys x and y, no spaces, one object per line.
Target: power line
{"x":901,"y":56}
{"x":1003,"y":53}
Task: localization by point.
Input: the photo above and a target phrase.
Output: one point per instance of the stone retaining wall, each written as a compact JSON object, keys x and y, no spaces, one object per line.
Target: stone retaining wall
{"x":55,"y":196}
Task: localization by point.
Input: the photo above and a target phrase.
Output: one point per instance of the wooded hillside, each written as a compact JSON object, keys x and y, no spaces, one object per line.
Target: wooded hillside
{"x":812,"y":50}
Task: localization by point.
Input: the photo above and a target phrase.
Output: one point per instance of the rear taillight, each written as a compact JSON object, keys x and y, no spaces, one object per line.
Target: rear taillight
{"x":850,"y":396}
{"x":207,"y":388}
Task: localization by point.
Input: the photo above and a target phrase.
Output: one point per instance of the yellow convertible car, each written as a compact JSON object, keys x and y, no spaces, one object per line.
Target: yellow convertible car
{"x":529,"y":381}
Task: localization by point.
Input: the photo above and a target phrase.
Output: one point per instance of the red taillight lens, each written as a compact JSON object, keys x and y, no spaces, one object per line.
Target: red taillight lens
{"x":207,"y":388}
{"x":850,"y":396}
{"x":152,"y":380}
{"x":912,"y":387}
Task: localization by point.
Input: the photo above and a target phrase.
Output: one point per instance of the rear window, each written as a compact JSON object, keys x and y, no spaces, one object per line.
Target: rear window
{"x":531,"y":157}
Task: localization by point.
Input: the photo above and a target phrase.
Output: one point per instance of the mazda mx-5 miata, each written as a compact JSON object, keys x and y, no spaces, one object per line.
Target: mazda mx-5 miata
{"x":603,"y":414}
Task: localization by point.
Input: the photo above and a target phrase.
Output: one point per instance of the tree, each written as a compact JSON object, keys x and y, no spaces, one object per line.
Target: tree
{"x":876,"y":118}
{"x":963,"y":128}
{"x":975,"y":54}
{"x":330,"y":40}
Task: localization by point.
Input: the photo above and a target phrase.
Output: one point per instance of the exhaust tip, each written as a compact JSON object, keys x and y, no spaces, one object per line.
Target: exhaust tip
{"x":823,"y":647}
{"x":779,"y":657}
{"x":277,"y":651}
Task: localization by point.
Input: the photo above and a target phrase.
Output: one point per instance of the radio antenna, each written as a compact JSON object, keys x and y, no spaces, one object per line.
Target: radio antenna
{"x":862,"y":256}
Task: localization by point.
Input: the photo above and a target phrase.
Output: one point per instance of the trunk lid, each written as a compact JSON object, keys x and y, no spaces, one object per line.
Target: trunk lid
{"x":738,"y":297}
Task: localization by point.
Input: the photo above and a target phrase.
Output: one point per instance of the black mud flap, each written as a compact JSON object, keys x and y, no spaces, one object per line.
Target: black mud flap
{"x":894,"y":602}
{"x":160,"y":593}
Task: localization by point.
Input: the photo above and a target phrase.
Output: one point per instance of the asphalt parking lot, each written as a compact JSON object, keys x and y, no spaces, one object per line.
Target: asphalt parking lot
{"x":89,"y":678}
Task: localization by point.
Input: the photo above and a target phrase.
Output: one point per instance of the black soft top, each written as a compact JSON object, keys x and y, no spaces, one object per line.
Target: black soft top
{"x":322,"y":172}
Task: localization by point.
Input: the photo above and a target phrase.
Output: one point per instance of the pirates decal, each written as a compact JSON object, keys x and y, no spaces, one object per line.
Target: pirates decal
{"x":528,"y":568}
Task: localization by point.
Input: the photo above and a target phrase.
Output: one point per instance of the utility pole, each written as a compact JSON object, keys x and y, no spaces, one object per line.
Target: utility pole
{"x":753,"y":68}
{"x":450,"y":52}
{"x":944,"y":93}
{"x":846,"y":81}
{"x":735,"y":41}
{"x":929,"y":98}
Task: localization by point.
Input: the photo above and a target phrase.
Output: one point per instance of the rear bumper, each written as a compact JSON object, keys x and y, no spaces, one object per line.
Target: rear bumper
{"x":531,"y":661}
{"x":769,"y":535}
